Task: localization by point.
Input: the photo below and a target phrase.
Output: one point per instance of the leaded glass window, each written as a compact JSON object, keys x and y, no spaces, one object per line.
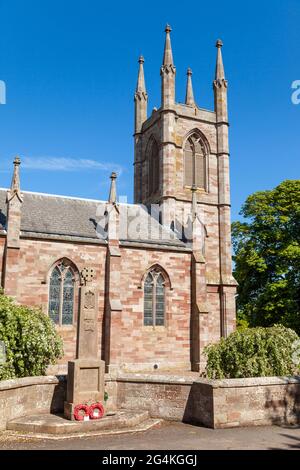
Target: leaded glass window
{"x":194,"y":162}
{"x":160,"y":300}
{"x":54,"y":295}
{"x":61,"y":294}
{"x":148,"y":301}
{"x":68,"y":299}
{"x":154,"y":299}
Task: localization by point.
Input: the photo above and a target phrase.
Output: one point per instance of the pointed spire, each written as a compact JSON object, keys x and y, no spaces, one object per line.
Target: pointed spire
{"x":168,"y":56}
{"x":113,"y":190}
{"x":15,"y":188}
{"x":168,"y":72}
{"x":140,"y":86}
{"x":220,"y":87}
{"x":220,"y":74}
{"x":189,"y":97}
{"x":140,"y":98}
{"x":15,"y":182}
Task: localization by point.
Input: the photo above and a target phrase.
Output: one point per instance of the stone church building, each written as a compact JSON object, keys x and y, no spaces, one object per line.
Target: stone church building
{"x":163,"y":267}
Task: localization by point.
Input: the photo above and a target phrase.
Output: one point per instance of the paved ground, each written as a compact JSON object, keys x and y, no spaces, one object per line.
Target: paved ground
{"x":172,"y":436}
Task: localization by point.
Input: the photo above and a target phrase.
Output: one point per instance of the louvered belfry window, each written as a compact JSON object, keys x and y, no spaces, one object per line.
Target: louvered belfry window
{"x":61,"y":294}
{"x":153,"y":158}
{"x":194,"y":162}
{"x":154,"y":299}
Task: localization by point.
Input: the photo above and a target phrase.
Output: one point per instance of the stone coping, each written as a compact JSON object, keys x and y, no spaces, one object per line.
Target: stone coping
{"x":28,"y":381}
{"x":249,"y":382}
{"x":189,"y":380}
{"x":152,"y":378}
{"x":184,"y":379}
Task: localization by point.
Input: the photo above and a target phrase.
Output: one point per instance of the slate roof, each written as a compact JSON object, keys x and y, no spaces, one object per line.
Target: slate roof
{"x":44,"y":214}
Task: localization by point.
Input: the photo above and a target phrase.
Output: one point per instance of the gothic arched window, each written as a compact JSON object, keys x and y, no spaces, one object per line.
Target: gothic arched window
{"x":194,"y":162}
{"x":154,"y":299}
{"x":153,"y":159}
{"x":62,"y":293}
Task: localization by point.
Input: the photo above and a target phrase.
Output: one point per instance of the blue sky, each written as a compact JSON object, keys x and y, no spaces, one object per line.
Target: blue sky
{"x":70,"y":68}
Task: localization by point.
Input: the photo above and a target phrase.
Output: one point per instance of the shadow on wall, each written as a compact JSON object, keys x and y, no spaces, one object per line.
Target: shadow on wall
{"x":2,"y":220}
{"x":59,"y":395}
{"x":286,"y":408}
{"x":199,"y":408}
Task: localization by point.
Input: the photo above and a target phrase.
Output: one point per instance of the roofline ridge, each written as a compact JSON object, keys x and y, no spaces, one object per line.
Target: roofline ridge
{"x":35,"y":193}
{"x":57,"y":195}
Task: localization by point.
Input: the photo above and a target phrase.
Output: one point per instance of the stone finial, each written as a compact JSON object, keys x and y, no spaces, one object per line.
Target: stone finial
{"x":189,"y":97}
{"x":140,"y":98}
{"x":15,"y":183}
{"x":168,"y":56}
{"x":113,"y":190}
{"x":15,"y":188}
{"x":141,"y":86}
{"x":220,"y":73}
{"x":168,"y":72}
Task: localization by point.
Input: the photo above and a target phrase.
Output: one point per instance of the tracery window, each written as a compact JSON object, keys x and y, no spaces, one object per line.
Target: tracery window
{"x":62,"y":293}
{"x":154,"y":299}
{"x":195,"y":162}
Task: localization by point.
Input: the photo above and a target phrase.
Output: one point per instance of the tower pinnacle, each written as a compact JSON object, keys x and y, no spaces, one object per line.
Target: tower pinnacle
{"x":140,"y":86}
{"x":15,"y":188}
{"x":140,"y":97}
{"x":168,"y":56}
{"x":220,"y":74}
{"x":112,"y":199}
{"x":167,"y":72}
{"x":189,"y":97}
{"x":220,"y":86}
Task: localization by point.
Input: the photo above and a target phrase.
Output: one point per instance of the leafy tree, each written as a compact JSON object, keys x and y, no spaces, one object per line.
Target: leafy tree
{"x":30,"y":339}
{"x":254,"y":352}
{"x":267,"y":257}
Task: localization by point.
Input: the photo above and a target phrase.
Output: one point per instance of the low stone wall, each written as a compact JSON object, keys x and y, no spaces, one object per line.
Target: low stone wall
{"x":20,"y":397}
{"x":244,"y":402}
{"x":162,"y":396}
{"x":211,"y":403}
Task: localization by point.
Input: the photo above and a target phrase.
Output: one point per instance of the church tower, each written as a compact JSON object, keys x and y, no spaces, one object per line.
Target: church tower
{"x":182,"y":164}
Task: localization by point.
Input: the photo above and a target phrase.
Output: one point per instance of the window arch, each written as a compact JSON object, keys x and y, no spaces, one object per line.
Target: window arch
{"x":195,"y":162}
{"x":154,"y":298}
{"x":62,"y":283}
{"x":153,"y":166}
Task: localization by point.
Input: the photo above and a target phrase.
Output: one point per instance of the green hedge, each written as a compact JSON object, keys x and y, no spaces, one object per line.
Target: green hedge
{"x":255,"y":352}
{"x":30,"y":339}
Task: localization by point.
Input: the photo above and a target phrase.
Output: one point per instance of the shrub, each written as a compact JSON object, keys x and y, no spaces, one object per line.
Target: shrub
{"x":254,"y":352}
{"x":30,"y":338}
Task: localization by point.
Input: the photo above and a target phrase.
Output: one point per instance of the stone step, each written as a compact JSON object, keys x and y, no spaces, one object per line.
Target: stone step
{"x":58,"y":425}
{"x":142,"y":427}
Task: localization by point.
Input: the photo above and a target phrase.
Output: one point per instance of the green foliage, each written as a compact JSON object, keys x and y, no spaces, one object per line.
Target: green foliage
{"x":254,"y":352}
{"x":30,"y":338}
{"x":267,"y":257}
